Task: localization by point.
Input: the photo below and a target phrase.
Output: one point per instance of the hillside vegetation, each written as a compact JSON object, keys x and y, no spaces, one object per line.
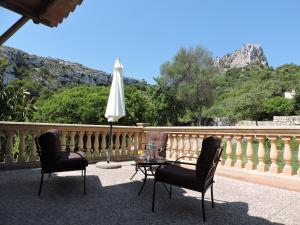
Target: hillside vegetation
{"x":190,"y":90}
{"x":256,"y":93}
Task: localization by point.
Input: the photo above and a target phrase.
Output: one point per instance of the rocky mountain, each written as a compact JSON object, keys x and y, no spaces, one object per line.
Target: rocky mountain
{"x":51,"y":72}
{"x":249,"y":54}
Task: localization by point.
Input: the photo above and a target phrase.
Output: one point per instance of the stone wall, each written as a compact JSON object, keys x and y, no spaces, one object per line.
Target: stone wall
{"x":277,"y":121}
{"x":286,"y":120}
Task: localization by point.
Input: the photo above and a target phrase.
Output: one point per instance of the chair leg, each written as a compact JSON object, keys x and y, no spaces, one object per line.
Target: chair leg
{"x":84,"y":182}
{"x":203,"y":210}
{"x":41,"y":183}
{"x":212,"y":196}
{"x":170,"y":191}
{"x":153,"y":197}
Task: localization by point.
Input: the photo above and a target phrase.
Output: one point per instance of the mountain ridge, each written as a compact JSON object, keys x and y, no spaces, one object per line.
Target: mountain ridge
{"x":248,"y":54}
{"x":52,"y":71}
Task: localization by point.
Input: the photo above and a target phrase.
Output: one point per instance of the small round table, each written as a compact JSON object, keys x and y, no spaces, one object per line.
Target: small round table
{"x":145,"y":165}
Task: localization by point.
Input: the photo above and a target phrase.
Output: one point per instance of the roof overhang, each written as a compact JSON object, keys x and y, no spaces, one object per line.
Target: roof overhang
{"x":48,"y":12}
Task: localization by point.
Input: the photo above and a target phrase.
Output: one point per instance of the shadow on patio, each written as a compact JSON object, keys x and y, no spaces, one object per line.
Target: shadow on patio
{"x":112,"y":199}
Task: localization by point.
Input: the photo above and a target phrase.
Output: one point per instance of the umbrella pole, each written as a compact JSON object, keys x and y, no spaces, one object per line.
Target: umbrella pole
{"x":109,"y":143}
{"x":108,"y":164}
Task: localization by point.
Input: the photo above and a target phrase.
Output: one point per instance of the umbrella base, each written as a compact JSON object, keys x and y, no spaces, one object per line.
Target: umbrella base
{"x":110,"y":165}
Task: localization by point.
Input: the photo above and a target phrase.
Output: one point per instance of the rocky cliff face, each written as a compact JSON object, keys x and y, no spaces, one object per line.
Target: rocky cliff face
{"x":51,"y":72}
{"x":249,"y":54}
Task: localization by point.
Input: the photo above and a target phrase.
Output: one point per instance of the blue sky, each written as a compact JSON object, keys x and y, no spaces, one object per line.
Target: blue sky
{"x":145,"y":34}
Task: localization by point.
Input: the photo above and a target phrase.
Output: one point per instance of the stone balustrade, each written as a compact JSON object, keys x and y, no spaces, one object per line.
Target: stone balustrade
{"x":17,"y":146}
{"x":274,"y":150}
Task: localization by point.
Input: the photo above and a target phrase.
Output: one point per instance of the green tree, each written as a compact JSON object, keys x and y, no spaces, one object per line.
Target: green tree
{"x":16,"y":104}
{"x":87,"y":104}
{"x":163,"y":108}
{"x":278,"y":106}
{"x":189,"y":77}
{"x":79,"y":104}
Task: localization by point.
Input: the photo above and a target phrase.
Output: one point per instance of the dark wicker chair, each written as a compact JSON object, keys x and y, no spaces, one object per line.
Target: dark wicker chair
{"x":54,"y":160}
{"x":199,"y":179}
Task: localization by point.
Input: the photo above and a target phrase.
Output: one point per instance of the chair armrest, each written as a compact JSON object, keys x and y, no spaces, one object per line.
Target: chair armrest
{"x":175,"y":162}
{"x":180,"y":162}
{"x":185,"y":157}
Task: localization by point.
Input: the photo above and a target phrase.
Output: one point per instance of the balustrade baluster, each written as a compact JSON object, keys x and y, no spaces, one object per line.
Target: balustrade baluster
{"x":80,"y":140}
{"x":103,"y":145}
{"x":261,"y":167}
{"x":112,"y":152}
{"x":135,"y":139}
{"x":33,"y":157}
{"x":274,"y":156}
{"x":9,"y":146}
{"x":239,"y":152}
{"x":141,"y":138}
{"x":88,"y":144}
{"x":188,"y":147}
{"x":287,"y":156}
{"x":180,"y":145}
{"x":117,"y":147}
{"x":21,"y":157}
{"x":63,"y":140}
{"x":124,"y":152}
{"x":129,"y":145}
{"x":169,"y":147}
{"x":72,"y":141}
{"x":249,"y":164}
{"x":195,"y":148}
{"x":96,"y":146}
{"x":174,"y":147}
{"x":229,"y":161}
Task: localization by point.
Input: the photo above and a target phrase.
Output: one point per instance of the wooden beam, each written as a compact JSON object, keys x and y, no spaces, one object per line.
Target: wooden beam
{"x":13,"y":29}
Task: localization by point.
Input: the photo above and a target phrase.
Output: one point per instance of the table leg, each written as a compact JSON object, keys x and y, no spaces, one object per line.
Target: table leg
{"x":152,"y":170}
{"x":134,"y":174}
{"x":136,"y":170}
{"x":144,"y":181}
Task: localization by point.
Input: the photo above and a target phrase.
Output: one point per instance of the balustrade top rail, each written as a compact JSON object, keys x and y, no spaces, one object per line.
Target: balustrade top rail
{"x":232,"y":130}
{"x":251,"y":130}
{"x":13,"y":126}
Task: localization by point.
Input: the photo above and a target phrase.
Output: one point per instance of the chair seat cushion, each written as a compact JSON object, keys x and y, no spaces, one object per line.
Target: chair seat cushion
{"x":66,"y":161}
{"x":179,"y":176}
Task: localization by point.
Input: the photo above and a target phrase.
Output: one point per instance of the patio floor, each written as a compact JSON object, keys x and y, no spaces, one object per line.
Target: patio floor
{"x":112,"y":199}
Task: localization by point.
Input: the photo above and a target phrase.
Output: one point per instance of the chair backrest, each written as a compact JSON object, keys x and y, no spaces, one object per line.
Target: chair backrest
{"x":46,"y":144}
{"x":208,"y":160}
{"x":159,"y":139}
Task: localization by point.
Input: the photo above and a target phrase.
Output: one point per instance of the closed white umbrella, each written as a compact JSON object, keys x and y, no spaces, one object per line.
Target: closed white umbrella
{"x":115,"y":108}
{"x":116,"y":104}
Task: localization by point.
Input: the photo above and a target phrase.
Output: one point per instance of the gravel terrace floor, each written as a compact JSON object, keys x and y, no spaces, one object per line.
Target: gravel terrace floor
{"x":112,"y":199}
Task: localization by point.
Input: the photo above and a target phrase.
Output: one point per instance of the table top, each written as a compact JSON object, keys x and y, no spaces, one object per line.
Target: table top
{"x":143,"y":160}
